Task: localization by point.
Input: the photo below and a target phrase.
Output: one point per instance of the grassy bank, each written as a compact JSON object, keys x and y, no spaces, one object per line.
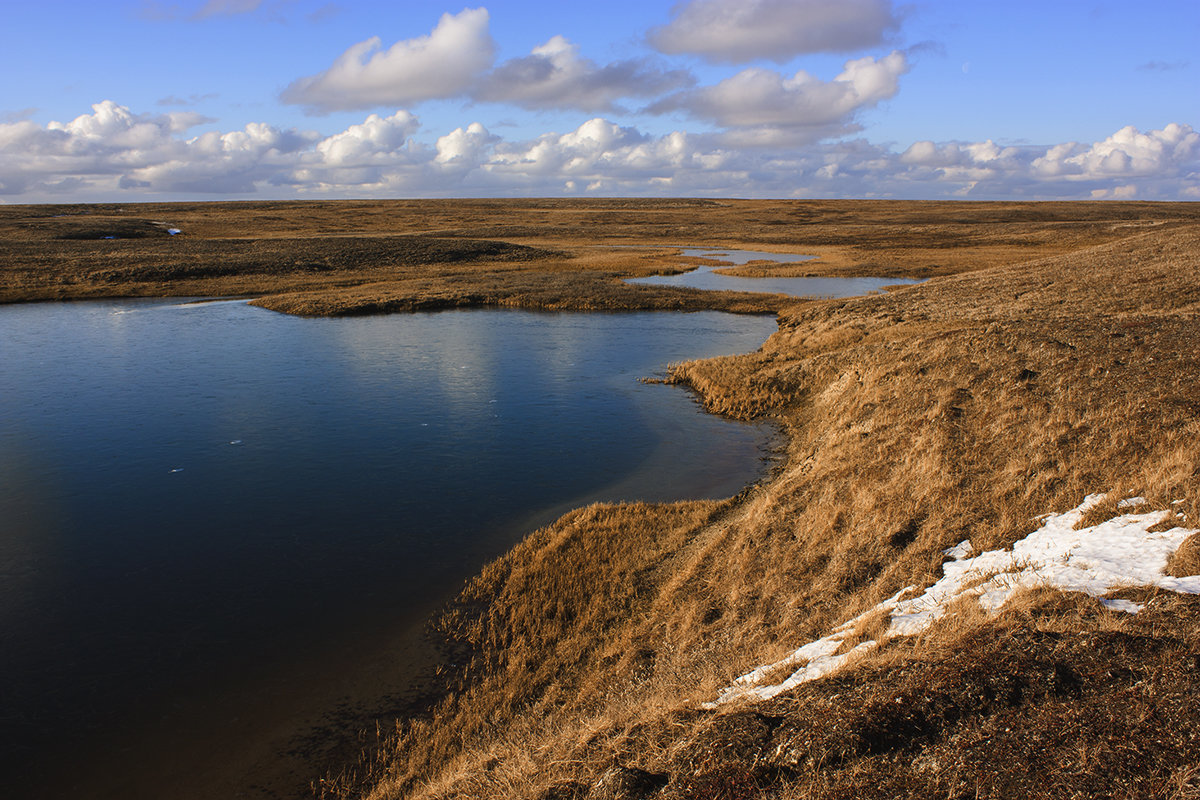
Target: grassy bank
{"x":1055,"y":353}
{"x":962,"y":409}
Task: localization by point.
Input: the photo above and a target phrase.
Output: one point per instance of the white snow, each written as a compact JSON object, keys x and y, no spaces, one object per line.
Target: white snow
{"x":960,"y":550}
{"x":1097,"y":560}
{"x":1128,"y":606}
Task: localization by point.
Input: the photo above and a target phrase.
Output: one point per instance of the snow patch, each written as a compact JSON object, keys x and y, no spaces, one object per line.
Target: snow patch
{"x":1128,"y":606}
{"x":1096,"y":560}
{"x":960,"y":550}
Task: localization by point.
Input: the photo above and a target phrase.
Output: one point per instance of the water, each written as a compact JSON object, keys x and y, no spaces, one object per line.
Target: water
{"x":213,"y":516}
{"x":706,"y":278}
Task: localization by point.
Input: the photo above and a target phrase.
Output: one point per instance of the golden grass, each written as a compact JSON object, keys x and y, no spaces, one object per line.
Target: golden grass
{"x":1186,"y":560}
{"x":962,"y":408}
{"x":1057,"y":355}
{"x":346,"y":257}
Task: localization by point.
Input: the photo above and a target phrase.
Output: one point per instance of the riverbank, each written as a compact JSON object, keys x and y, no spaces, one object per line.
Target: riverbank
{"x":1057,"y":357}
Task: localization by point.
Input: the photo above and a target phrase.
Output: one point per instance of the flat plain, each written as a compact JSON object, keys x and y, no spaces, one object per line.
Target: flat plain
{"x":1052,"y":354}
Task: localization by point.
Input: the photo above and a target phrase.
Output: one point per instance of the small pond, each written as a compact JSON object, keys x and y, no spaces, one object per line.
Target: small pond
{"x":706,"y":277}
{"x":222,"y":526}
{"x":215,"y":515}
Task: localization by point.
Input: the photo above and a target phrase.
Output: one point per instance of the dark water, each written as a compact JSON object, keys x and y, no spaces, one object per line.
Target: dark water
{"x":208,"y":510}
{"x":706,"y":278}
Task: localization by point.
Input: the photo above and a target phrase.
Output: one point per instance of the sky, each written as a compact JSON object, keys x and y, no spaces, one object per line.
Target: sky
{"x":142,"y":100}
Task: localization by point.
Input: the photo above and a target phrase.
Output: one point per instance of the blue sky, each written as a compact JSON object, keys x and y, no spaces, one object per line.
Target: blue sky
{"x":211,"y":99}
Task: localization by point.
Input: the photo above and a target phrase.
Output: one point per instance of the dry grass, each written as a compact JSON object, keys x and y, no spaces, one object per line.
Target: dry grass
{"x":1058,"y":356}
{"x":962,"y":408}
{"x":1186,"y":561}
{"x":351,"y":257}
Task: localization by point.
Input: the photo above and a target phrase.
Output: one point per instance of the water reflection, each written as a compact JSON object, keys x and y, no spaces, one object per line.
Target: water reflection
{"x":193,"y":495}
{"x":705,"y":277}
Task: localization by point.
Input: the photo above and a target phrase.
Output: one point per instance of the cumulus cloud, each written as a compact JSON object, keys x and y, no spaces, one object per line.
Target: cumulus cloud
{"x":367,"y":143}
{"x":114,"y":153}
{"x":380,"y":151}
{"x":443,"y":64}
{"x":554,"y":75}
{"x":1159,"y":163}
{"x":113,"y":148}
{"x":581,"y":153}
{"x":464,"y":147}
{"x":737,"y":31}
{"x":771,"y":105}
{"x":452,"y":61}
{"x":1127,"y":153}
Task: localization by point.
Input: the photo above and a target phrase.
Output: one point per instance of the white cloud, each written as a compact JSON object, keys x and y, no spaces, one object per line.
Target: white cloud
{"x":219,"y":163}
{"x":1126,"y":192}
{"x":765,"y":103}
{"x":443,"y":64}
{"x":111,"y":126}
{"x":369,"y":142}
{"x":1160,"y":164}
{"x":114,"y":153}
{"x":603,"y":158}
{"x":377,"y":155}
{"x":112,"y":148}
{"x":956,"y":154}
{"x":1128,"y":152}
{"x":464,"y":147}
{"x":585,"y":152}
{"x":737,"y":31}
{"x":554,"y":75}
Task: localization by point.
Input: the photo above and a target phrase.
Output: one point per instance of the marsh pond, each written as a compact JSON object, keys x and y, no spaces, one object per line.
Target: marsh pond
{"x":707,"y":277}
{"x":223,"y":527}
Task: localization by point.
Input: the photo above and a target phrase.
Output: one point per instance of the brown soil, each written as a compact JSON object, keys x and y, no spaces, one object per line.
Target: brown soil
{"x":1056,"y":353}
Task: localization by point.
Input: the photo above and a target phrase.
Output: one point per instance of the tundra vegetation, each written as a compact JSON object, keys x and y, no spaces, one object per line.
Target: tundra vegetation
{"x":1054,"y":353}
